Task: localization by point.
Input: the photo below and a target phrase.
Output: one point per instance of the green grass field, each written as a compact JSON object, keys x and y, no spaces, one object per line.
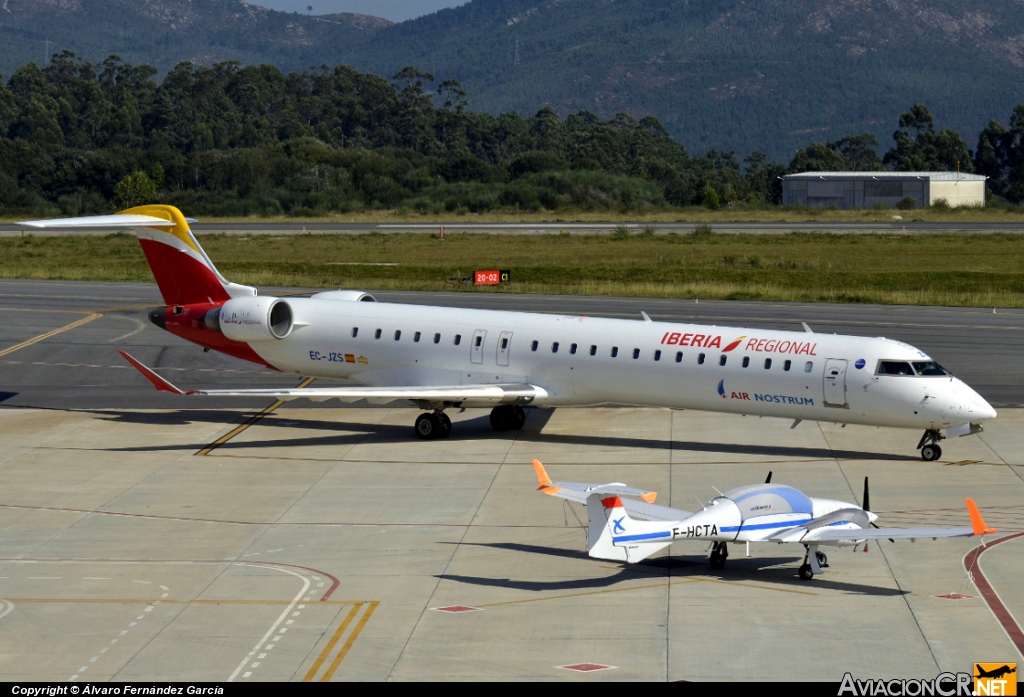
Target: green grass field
{"x":941,"y":269}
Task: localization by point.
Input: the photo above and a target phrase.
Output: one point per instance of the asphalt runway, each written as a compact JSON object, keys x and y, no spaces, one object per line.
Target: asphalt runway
{"x":314,"y":227}
{"x":150,"y":537}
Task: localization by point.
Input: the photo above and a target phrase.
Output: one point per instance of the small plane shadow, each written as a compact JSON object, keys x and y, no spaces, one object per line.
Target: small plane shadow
{"x":4,"y":396}
{"x":742,"y":569}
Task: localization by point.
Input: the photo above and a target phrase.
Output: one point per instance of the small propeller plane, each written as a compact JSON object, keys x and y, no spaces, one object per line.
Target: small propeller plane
{"x":622,"y":528}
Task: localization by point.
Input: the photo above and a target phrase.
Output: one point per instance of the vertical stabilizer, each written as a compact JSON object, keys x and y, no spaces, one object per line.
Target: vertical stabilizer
{"x":607,"y":519}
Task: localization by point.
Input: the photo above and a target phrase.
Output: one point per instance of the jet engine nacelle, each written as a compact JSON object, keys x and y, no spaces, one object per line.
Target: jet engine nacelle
{"x":357,"y":296}
{"x":252,"y":318}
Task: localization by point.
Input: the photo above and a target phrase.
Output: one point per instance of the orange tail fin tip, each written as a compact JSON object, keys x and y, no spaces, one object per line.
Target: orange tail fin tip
{"x":542,"y":475}
{"x":977,"y":522}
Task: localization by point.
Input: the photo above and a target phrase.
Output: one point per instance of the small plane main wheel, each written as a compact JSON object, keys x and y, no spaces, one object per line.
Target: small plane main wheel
{"x":822,"y":559}
{"x":428,"y":426}
{"x":931,"y":452}
{"x":446,"y":425}
{"x":716,"y":561}
{"x":805,"y":572}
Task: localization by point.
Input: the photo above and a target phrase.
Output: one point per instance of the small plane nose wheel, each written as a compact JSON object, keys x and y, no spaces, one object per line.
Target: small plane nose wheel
{"x":805,"y":572}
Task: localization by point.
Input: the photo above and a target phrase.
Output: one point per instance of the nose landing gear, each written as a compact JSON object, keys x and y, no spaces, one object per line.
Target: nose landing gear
{"x":929,"y":445}
{"x":719,"y":553}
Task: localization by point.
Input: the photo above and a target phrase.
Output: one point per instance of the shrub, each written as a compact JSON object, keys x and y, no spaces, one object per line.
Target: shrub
{"x":907,"y":203}
{"x":711,"y":200}
{"x":135,"y":189}
{"x":941,"y":204}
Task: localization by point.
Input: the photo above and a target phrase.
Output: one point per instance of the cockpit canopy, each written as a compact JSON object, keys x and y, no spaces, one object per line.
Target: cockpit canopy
{"x":923,"y":369}
{"x":769,"y":499}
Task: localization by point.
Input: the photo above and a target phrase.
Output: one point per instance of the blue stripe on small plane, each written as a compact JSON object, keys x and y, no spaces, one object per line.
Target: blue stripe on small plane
{"x":765,"y":526}
{"x":645,"y":536}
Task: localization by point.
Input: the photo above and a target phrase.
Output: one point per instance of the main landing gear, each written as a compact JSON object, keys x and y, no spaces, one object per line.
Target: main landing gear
{"x":814,"y":562}
{"x":508,"y":417}
{"x":929,"y":445}
{"x":719,"y":553}
{"x":433,"y":425}
{"x":436,"y":424}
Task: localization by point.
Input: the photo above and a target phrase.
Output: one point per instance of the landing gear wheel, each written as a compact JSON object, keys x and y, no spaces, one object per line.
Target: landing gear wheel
{"x":446,"y":425}
{"x":428,"y":426}
{"x":508,"y":417}
{"x":805,"y":572}
{"x":719,"y":553}
{"x":822,"y":559}
{"x":930,"y":453}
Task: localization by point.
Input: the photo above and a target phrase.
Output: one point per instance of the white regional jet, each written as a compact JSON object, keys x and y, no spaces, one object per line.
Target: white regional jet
{"x":444,"y":358}
{"x":754,"y":513}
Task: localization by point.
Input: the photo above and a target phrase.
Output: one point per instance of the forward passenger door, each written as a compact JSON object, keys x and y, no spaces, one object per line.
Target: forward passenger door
{"x":835,"y":383}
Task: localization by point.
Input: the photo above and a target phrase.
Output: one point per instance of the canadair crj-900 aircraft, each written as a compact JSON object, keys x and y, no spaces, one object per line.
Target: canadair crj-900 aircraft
{"x":444,"y":358}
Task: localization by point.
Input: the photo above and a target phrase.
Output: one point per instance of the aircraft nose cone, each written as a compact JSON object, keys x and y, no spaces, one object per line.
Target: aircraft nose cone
{"x":982,"y":410}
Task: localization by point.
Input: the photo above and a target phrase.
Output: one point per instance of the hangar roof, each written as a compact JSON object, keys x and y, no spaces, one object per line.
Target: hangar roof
{"x":931,"y":176}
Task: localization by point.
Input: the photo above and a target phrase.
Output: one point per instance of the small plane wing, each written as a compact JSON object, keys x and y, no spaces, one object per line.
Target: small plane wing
{"x":810,"y":533}
{"x":450,"y":395}
{"x":579,"y":491}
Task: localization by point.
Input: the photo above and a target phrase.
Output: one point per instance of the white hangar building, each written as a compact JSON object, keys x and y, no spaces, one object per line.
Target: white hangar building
{"x":866,"y":189}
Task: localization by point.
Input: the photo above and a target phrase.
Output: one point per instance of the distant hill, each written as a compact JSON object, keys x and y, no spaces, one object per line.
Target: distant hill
{"x":727,"y":74}
{"x":730,"y":74}
{"x":166,"y":32}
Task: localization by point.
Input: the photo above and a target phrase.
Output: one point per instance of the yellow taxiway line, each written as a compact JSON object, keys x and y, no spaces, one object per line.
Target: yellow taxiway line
{"x":248,"y":422}
{"x":53,"y":332}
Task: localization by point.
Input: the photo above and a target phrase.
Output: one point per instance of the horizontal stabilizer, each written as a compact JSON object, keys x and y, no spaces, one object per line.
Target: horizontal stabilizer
{"x":98,"y":222}
{"x":580,"y":491}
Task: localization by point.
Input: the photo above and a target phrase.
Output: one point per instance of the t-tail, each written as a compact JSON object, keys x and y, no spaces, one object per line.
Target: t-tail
{"x":193,"y":290}
{"x":613,"y":535}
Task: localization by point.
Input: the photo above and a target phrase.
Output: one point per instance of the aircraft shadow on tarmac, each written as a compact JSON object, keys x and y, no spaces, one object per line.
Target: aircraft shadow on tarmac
{"x":467,"y":429}
{"x":4,"y":396}
{"x":741,"y":569}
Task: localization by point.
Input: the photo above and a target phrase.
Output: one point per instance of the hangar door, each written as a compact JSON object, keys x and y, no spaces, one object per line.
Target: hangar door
{"x":835,"y":382}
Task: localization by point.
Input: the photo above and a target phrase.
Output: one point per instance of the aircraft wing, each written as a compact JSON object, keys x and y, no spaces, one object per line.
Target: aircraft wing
{"x":821,"y":530}
{"x":449,"y":395}
{"x":579,"y":491}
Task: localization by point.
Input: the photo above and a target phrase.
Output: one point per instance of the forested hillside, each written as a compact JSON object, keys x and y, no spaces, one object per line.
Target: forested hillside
{"x":164,"y":33}
{"x":729,"y":75}
{"x":79,"y":138}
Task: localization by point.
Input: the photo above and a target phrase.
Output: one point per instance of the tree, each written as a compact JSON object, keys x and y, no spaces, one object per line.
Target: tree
{"x":919,"y":148}
{"x":860,"y":153}
{"x":762,"y":177}
{"x":135,"y":189}
{"x":817,"y":157}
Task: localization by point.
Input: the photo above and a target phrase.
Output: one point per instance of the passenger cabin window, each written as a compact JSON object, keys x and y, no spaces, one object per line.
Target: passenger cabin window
{"x":929,"y":369}
{"x":534,"y":345}
{"x":398,"y":334}
{"x":767,"y":363}
{"x":479,"y":340}
{"x":376,"y":334}
{"x":746,"y":361}
{"x":787,"y":365}
{"x":679,"y":356}
{"x":572,"y":349}
{"x":416,"y":337}
{"x":808,"y":366}
{"x":504,"y":343}
{"x":615,"y":351}
{"x":700,"y":359}
{"x":355,"y":332}
{"x":636,"y":354}
{"x":894,"y":368}
{"x":458,"y":339}
{"x":554,"y":347}
{"x":593,"y":350}
{"x":722,"y":359}
{"x":437,"y":338}
{"x":657,"y":355}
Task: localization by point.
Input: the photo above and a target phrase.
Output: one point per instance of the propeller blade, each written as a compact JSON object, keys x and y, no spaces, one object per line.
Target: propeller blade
{"x":866,"y":505}
{"x":768,"y":479}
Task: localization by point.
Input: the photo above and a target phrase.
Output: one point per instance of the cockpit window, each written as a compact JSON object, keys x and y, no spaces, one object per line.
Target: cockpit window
{"x":929,"y":368}
{"x":894,"y":368}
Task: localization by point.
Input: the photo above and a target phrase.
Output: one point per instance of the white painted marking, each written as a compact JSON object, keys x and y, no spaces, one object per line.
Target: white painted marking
{"x":105,"y":649}
{"x":94,"y":659}
{"x":316,"y":578}
{"x":165,"y":595}
{"x":275,"y":639}
{"x":288,"y":622}
{"x":114,"y":641}
{"x":296,"y":614}
{"x":83,"y":669}
{"x":140,"y":617}
{"x":255,"y":665}
{"x":131,"y":624}
{"x":122,"y":633}
{"x":302,"y":607}
{"x":73,"y":677}
{"x":277,"y":623}
{"x":270,"y":646}
{"x":320,"y":585}
{"x":6,"y":606}
{"x":262,"y":656}
{"x":282,"y":630}
{"x":146,"y":582}
{"x":164,"y":588}
{"x":251,"y":554}
{"x":271,"y":551}
{"x":247,"y":674}
{"x":43,"y":578}
{"x":149,"y":609}
{"x":95,"y":578}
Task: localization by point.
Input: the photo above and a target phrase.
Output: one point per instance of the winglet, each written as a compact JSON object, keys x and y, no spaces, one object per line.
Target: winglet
{"x":544,"y":479}
{"x":980,"y":528}
{"x":158,"y":382}
{"x":650,"y":496}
